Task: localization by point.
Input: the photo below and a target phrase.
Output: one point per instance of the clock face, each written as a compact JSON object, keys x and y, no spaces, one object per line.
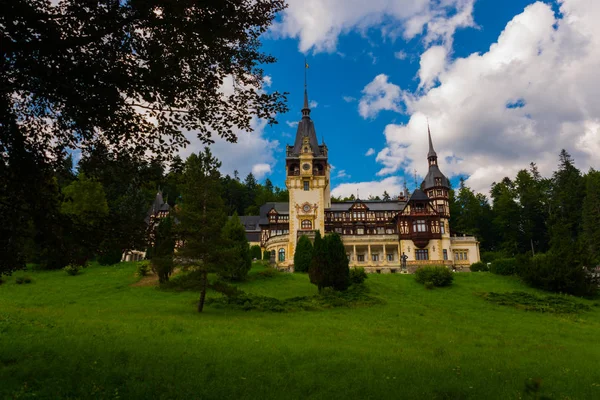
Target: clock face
{"x":306,"y":208}
{"x":306,"y":167}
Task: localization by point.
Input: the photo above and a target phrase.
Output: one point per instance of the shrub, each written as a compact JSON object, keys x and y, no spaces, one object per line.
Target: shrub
{"x":19,"y":280}
{"x":479,"y":267}
{"x":27,"y":280}
{"x":429,"y":285}
{"x":529,"y":302}
{"x":143,"y":267}
{"x":558,"y":274}
{"x":303,"y":254}
{"x":439,"y":276}
{"x":235,"y":255}
{"x":109,"y":256}
{"x":72,"y":269}
{"x":255,"y":252}
{"x":504,"y":266}
{"x":268,"y":273}
{"x":266,"y":256}
{"x":357,"y":275}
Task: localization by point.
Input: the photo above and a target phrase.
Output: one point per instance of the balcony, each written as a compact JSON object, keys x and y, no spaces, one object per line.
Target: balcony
{"x":463,"y":238}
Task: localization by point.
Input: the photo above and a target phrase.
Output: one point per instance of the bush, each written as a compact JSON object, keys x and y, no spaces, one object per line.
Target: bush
{"x":236,"y":261}
{"x":143,"y":267}
{"x":268,"y":273}
{"x":255,"y":252}
{"x":72,"y":269}
{"x":490,"y":256}
{"x":19,"y":280}
{"x":109,"y":256}
{"x":357,"y":275}
{"x":303,"y":254}
{"x":27,"y":280}
{"x":429,"y":285}
{"x":439,"y":276}
{"x":530,"y":302}
{"x":504,"y":266}
{"x":558,"y":274}
{"x":479,"y":267}
{"x":266,"y":256}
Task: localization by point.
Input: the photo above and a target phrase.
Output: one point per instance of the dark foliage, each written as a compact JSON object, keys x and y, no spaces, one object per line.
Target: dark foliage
{"x":529,"y":302}
{"x":255,"y":253}
{"x":504,"y":266}
{"x":303,"y":254}
{"x":235,"y":260}
{"x":437,"y":275}
{"x":479,"y":267}
{"x":163,"y":249}
{"x":266,"y":255}
{"x":316,"y":271}
{"x":558,"y":274}
{"x":357,"y":275}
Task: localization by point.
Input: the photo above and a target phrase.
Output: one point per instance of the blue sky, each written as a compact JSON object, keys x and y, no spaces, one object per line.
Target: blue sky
{"x":503,"y":83}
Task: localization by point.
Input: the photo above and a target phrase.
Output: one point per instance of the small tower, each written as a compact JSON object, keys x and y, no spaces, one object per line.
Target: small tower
{"x":307,"y":180}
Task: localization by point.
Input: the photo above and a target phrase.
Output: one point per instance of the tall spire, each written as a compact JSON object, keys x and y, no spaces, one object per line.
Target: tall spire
{"x":432,"y":153}
{"x":305,"y":109}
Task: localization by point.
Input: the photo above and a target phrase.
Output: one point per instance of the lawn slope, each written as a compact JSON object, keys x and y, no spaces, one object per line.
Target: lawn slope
{"x":96,"y":336}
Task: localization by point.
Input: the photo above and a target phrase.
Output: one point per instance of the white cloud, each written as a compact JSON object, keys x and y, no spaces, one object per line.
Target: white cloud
{"x":342,"y":174}
{"x":400,"y":55}
{"x":379,"y":95}
{"x":252,"y":152}
{"x":370,"y":152}
{"x":268,"y":81}
{"x":319,"y":23}
{"x":349,"y":99}
{"x":391,"y":184}
{"x":261,"y":170}
{"x":432,"y":64}
{"x":532,"y":93}
{"x":292,"y":124}
{"x":313,"y":104}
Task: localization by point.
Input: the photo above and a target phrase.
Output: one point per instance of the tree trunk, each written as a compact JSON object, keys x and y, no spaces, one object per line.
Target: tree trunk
{"x":203,"y":291}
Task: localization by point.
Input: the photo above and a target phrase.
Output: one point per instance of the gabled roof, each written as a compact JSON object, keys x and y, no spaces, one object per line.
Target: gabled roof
{"x":372,"y":205}
{"x":250,"y":222}
{"x":418,"y":195}
{"x":280,"y":207}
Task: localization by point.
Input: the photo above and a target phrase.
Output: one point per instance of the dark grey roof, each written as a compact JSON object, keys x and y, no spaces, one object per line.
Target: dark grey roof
{"x":418,"y":194}
{"x":306,"y":128}
{"x":250,"y":222}
{"x":432,"y":152}
{"x":371,"y":205}
{"x":434,"y":172}
{"x":280,"y":207}
{"x":253,"y":236}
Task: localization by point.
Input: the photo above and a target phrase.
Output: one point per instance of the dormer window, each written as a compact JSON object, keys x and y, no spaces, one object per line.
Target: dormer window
{"x":438,"y":181}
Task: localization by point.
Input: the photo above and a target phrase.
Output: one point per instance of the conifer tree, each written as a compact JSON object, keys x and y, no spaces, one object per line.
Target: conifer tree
{"x":162,"y":250}
{"x":337,"y":271}
{"x":316,"y":272}
{"x":236,"y":262}
{"x":591,"y":215}
{"x":201,"y":216}
{"x":303,"y":254}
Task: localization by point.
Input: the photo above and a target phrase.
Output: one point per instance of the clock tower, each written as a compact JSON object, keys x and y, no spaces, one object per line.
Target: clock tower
{"x":307,"y":180}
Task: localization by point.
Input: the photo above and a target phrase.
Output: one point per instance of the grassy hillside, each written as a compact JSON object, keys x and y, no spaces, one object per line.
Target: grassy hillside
{"x":96,"y":336}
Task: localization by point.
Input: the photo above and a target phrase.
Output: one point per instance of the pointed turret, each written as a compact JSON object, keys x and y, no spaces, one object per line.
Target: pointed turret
{"x":306,"y":108}
{"x":434,"y":177}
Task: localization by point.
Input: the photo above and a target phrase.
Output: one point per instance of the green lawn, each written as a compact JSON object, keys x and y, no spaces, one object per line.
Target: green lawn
{"x":95,"y":336}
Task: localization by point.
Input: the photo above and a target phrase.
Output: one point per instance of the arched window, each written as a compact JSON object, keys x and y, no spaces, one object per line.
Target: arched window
{"x":282,"y":254}
{"x":306,"y":224}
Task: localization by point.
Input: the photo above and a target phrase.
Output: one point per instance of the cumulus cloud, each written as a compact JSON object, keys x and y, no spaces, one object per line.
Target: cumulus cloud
{"x":313,"y":104}
{"x":370,"y":152}
{"x":318,"y":23}
{"x":349,"y":99}
{"x":379,"y":95}
{"x":252,"y":152}
{"x":400,"y":55}
{"x":391,"y":184}
{"x":292,"y":124}
{"x":532,"y":93}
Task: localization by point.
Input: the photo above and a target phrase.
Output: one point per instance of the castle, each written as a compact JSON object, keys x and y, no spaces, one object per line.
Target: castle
{"x":377,"y":235}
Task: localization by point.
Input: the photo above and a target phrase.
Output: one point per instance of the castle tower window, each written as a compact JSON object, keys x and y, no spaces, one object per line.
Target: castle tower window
{"x":440,"y":208}
{"x":443,"y":229}
{"x":438,"y":181}
{"x":282,"y":254}
{"x":306,"y":224}
{"x":445,"y":253}
{"x":422,"y":254}
{"x":306,"y":186}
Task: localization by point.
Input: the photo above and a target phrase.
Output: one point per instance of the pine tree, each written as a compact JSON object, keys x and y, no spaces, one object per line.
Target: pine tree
{"x":201,"y":216}
{"x":316,"y":272}
{"x":236,"y":261}
{"x":303,"y":254}
{"x":506,"y":215}
{"x":591,"y":215}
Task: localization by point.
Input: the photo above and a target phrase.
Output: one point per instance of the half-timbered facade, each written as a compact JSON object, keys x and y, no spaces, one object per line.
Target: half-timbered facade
{"x":376,"y":234}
